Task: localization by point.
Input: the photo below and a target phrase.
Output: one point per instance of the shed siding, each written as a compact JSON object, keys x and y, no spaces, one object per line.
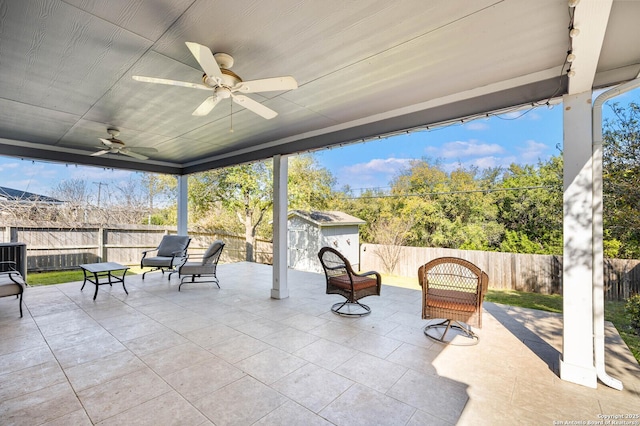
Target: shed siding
{"x":306,"y":239}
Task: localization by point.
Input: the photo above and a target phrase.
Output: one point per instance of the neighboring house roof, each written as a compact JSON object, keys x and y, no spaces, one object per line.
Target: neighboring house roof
{"x":327,"y":218}
{"x":9,"y":194}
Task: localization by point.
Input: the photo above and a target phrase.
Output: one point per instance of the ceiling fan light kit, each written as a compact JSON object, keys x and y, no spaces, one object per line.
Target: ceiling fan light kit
{"x":116,"y":146}
{"x":224,"y":83}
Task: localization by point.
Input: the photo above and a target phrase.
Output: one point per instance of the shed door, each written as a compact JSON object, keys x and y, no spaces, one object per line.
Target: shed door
{"x":297,"y":248}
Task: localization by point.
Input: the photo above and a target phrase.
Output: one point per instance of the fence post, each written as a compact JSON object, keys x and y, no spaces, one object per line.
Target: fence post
{"x":102,"y":254}
{"x":13,"y":234}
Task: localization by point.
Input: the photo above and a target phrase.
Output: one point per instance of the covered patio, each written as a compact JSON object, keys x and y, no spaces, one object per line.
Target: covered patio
{"x":236,"y":356}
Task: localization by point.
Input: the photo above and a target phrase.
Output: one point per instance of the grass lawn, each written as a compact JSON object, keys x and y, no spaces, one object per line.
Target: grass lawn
{"x":57,"y":277}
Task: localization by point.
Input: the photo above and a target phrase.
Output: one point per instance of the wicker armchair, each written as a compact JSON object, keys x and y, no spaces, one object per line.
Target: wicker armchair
{"x":342,"y":280}
{"x":205,"y":266}
{"x":11,"y":281}
{"x":453,"y":289}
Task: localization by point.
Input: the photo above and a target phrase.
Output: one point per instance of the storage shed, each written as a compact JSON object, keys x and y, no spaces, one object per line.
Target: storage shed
{"x":309,"y":231}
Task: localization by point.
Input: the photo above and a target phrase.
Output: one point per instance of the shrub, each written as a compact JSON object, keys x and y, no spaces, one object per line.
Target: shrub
{"x":632,"y":308}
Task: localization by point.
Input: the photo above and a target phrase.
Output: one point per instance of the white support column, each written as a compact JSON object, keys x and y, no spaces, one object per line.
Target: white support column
{"x":280,"y":289}
{"x":577,"y":363}
{"x":183,"y":211}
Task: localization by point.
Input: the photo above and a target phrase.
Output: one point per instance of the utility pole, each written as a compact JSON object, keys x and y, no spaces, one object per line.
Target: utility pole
{"x":100,"y":190}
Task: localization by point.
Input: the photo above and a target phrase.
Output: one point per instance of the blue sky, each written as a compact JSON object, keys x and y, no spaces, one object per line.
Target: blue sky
{"x":488,"y":142}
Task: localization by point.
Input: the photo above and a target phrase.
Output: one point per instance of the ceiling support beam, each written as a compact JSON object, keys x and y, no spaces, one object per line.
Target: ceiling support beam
{"x":590,"y":19}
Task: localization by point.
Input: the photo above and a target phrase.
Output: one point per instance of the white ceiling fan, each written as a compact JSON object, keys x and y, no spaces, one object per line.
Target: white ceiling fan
{"x":225,"y":83}
{"x":116,"y":146}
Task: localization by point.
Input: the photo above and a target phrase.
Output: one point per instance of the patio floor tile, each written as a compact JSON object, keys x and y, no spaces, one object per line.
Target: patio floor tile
{"x":360,"y":405}
{"x":199,"y":380}
{"x":240,"y":403}
{"x":38,"y":407}
{"x":211,"y":335}
{"x":270,"y":365}
{"x":291,"y":413}
{"x":439,"y":396}
{"x":118,"y":395}
{"x":151,"y":343}
{"x":176,"y":358}
{"x":312,"y":386}
{"x":206,"y":356}
{"x":238,"y":348}
{"x":326,"y":354}
{"x":167,"y":409}
{"x":290,"y":339}
{"x":30,"y":379}
{"x":371,"y":371}
{"x":103,"y":369}
{"x":15,"y":361}
{"x":88,"y":351}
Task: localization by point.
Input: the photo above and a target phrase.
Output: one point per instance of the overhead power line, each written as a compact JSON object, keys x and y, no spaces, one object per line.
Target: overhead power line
{"x":549,"y":187}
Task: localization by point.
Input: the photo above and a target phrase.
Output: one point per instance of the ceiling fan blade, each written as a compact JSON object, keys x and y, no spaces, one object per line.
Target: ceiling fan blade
{"x":104,"y":151}
{"x":206,"y":106}
{"x":141,"y":150}
{"x":130,"y":153}
{"x":106,"y":142}
{"x":254,"y":106}
{"x":267,"y":85}
{"x":206,"y":60}
{"x":170,"y":82}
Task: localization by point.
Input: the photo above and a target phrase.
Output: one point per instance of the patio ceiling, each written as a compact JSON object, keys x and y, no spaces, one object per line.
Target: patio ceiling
{"x":364,"y":68}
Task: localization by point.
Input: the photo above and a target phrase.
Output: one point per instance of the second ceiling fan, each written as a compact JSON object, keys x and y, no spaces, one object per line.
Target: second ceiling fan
{"x":225,"y":83}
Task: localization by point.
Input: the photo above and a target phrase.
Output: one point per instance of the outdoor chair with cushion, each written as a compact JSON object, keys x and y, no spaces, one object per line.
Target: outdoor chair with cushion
{"x":171,"y":253}
{"x":453,"y":290}
{"x":204,"y":267}
{"x":11,"y":281}
{"x":342,"y":280}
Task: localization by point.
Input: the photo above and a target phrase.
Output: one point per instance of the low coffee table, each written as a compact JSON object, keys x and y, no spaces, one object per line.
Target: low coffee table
{"x":103,"y":270}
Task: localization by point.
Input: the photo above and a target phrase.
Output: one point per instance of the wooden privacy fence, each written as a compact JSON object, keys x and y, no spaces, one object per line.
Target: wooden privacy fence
{"x":57,"y":248}
{"x":508,"y":271}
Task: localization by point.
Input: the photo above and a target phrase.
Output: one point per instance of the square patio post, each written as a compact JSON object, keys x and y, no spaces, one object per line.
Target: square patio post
{"x":577,"y":361}
{"x":183,"y":212}
{"x":280,"y":289}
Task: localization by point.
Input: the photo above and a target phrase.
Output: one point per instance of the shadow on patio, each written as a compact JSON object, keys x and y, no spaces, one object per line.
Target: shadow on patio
{"x":235,"y":356}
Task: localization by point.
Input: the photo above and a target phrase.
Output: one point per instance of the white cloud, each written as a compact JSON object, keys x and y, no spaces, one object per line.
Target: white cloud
{"x":8,"y":166}
{"x":471,"y":148}
{"x":374,"y":173}
{"x":379,"y":165}
{"x":97,"y":174}
{"x":476,"y":125}
{"x":532,"y":151}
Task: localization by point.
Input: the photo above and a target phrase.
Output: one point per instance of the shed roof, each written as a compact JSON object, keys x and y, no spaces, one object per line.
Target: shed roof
{"x":327,"y":218}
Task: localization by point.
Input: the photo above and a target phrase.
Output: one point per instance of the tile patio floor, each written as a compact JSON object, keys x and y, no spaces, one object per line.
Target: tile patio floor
{"x":233,"y":356}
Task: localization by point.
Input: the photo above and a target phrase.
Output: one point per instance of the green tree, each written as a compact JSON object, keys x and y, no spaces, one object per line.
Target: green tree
{"x":244,"y":190}
{"x":309,"y":185}
{"x":449,"y":209}
{"x":621,"y":179}
{"x":530,"y":207}
{"x":240,"y":198}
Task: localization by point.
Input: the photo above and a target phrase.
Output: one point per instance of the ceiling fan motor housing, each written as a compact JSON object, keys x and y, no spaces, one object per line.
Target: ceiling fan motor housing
{"x":229,"y":79}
